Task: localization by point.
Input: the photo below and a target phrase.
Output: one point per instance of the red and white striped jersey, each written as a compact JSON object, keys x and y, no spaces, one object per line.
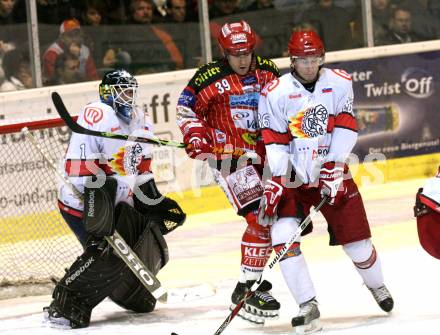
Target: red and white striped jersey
{"x":127,"y":162}
{"x":307,"y":128}
{"x":218,"y":98}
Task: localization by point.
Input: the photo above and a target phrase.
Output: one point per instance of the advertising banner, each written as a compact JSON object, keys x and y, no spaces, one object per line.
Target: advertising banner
{"x":396,"y":104}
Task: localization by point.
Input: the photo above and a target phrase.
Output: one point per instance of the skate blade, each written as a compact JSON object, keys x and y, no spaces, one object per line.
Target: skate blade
{"x":312,"y":327}
{"x":57,"y":323}
{"x":256,"y":316}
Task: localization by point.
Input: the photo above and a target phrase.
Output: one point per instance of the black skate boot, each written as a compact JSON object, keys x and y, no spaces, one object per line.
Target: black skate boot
{"x":258,"y":308}
{"x":307,"y":321}
{"x":383,"y":298}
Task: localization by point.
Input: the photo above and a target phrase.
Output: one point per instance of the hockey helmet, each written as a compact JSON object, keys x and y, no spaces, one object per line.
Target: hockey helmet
{"x":305,"y":43}
{"x":118,"y":89}
{"x":428,"y":224}
{"x":237,"y":38}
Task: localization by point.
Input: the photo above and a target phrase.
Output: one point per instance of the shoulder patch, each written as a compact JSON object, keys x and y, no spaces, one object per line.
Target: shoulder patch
{"x":206,"y":74}
{"x":93,"y":114}
{"x":267,"y":64}
{"x":341,"y":73}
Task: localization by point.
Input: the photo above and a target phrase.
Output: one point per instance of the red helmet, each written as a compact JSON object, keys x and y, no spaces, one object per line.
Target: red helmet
{"x":305,"y":43}
{"x":237,"y":38}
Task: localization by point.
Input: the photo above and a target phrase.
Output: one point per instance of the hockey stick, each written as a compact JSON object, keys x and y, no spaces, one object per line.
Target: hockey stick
{"x":76,"y":128}
{"x":260,"y":285}
{"x":123,"y":250}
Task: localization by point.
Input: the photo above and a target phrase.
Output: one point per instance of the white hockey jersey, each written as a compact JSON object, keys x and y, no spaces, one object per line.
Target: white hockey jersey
{"x":128,"y":162}
{"x":307,"y":128}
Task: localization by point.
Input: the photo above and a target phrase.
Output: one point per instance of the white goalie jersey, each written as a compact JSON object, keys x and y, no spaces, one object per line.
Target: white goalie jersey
{"x":128,"y":162}
{"x":307,"y":128}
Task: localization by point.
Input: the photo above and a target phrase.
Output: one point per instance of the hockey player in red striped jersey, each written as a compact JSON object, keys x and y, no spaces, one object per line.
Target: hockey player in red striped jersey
{"x":118,"y":192}
{"x":308,"y":123}
{"x":217,"y":114}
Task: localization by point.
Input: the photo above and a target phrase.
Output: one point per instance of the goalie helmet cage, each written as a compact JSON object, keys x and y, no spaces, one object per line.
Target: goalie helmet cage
{"x":35,"y":242}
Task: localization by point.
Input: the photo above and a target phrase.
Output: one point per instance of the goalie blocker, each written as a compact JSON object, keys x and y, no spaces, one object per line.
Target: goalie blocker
{"x":99,"y":272}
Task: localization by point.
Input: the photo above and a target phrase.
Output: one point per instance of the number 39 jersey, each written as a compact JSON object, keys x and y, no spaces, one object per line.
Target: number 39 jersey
{"x":307,"y":128}
{"x":218,"y":98}
{"x":127,"y":162}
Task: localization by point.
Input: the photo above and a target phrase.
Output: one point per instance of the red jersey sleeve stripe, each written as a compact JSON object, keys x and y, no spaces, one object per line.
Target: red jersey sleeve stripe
{"x":69,"y":210}
{"x":331,"y":123}
{"x":86,"y":167}
{"x":144,"y":165}
{"x":273,"y":137}
{"x":430,"y":203}
{"x":347,"y":121}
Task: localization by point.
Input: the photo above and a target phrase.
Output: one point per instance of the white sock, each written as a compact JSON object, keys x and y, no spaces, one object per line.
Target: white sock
{"x":294,"y":269}
{"x":366,"y":261}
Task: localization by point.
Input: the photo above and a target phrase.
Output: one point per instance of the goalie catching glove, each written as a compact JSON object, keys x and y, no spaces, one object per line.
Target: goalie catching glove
{"x":165,"y":211}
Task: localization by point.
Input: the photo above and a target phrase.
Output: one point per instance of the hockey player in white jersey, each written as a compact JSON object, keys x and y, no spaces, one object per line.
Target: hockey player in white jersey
{"x":307,"y":123}
{"x":119,"y":192}
{"x":427,"y":212}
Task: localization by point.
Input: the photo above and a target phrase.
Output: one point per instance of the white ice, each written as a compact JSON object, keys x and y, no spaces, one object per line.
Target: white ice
{"x":206,"y":250}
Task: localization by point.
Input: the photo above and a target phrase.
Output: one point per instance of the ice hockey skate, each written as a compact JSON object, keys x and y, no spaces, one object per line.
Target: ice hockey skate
{"x":258,"y":308}
{"x":54,"y":319}
{"x":383,"y":298}
{"x":307,"y":321}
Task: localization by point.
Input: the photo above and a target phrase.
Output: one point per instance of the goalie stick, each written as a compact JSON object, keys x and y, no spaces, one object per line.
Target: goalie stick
{"x":147,"y":278}
{"x":263,"y":284}
{"x":76,"y":128}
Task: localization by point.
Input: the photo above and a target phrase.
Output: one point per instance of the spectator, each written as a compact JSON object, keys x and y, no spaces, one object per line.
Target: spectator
{"x":381,"y":15}
{"x":333,"y":24}
{"x":92,"y":13}
{"x":260,"y":4}
{"x":116,"y":58}
{"x":143,"y":11}
{"x":423,"y":21}
{"x":399,"y":28}
{"x":162,"y":54}
{"x":7,"y":12}
{"x":116,"y":12}
{"x":4,"y":48}
{"x":221,"y":8}
{"x":70,"y":41}
{"x":176,"y":10}
{"x":17,"y":69}
{"x":66,"y":70}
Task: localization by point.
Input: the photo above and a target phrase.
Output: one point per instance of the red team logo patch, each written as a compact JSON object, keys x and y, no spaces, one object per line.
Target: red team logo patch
{"x":93,"y":115}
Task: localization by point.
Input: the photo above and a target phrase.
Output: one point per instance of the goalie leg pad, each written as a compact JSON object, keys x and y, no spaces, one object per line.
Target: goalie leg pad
{"x":151,"y":248}
{"x":91,"y":278}
{"x":99,"y":207}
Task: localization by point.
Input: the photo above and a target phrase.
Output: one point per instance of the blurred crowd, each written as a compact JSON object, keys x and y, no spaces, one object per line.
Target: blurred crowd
{"x":80,"y":40}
